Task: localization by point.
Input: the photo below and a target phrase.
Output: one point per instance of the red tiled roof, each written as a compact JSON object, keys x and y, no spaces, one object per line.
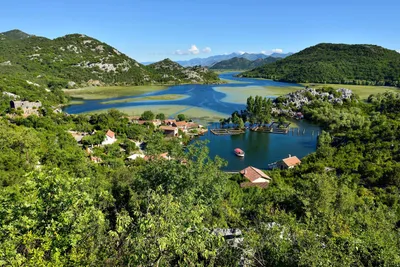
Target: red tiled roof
{"x":180,"y":123}
{"x":168,"y":128}
{"x":250,"y":184}
{"x":192,"y":125}
{"x":253,"y":174}
{"x":291,"y":161}
{"x":110,"y":134}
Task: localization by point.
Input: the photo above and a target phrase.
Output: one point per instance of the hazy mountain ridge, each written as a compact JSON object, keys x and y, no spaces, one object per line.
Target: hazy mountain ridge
{"x":210,"y":61}
{"x":238,"y":63}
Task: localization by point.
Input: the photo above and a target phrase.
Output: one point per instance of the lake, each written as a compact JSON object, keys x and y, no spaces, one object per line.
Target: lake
{"x":221,"y":100}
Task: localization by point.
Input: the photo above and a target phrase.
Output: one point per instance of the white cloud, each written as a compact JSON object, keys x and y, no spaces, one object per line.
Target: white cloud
{"x":269,"y":52}
{"x":398,"y":50}
{"x":193,"y":50}
{"x":277,"y":50}
{"x":206,"y":50}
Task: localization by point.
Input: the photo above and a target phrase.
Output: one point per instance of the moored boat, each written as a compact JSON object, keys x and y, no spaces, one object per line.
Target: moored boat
{"x":239,"y":152}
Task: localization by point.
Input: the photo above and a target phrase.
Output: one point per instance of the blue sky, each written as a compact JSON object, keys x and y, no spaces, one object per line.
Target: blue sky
{"x":150,"y":30}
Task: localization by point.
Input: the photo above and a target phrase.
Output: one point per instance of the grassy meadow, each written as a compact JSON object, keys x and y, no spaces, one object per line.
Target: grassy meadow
{"x":239,"y":95}
{"x":200,"y":114}
{"x":104,"y":92}
{"x":168,"y":97}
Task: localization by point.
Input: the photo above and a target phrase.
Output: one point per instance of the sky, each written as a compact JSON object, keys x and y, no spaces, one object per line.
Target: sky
{"x":151,"y":30}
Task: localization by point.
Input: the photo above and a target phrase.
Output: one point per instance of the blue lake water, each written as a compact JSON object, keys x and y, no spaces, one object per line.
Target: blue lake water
{"x":200,"y":95}
{"x":260,"y":148}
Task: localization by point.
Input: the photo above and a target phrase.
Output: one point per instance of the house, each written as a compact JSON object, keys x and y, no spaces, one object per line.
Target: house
{"x":27,"y":107}
{"x":110,"y":138}
{"x":288,"y":163}
{"x":170,"y":131}
{"x":256,"y":178}
{"x":183,"y":125}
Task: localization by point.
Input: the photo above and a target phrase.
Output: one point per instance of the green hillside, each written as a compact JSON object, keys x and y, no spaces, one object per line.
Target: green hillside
{"x":167,"y":71}
{"x":16,"y":34}
{"x":335,"y":63}
{"x":238,"y":63}
{"x":36,"y":64}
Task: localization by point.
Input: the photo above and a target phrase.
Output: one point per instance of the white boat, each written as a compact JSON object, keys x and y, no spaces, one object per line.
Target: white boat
{"x":239,"y":152}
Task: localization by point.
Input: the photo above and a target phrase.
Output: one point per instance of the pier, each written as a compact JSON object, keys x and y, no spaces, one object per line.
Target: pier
{"x":227,"y":131}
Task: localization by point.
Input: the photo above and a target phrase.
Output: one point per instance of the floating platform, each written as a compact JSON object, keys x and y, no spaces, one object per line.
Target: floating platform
{"x":227,"y":131}
{"x":274,"y":127}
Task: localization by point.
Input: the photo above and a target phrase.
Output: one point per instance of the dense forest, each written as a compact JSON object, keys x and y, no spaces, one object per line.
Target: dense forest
{"x":340,"y":207}
{"x":335,"y":63}
{"x":239,"y":63}
{"x":78,"y":60}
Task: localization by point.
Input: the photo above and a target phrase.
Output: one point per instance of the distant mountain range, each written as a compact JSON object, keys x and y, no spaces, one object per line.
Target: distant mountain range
{"x":210,"y":61}
{"x":238,"y":63}
{"x":362,"y":64}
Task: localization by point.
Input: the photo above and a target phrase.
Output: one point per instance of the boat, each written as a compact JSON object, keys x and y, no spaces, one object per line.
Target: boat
{"x":239,"y":152}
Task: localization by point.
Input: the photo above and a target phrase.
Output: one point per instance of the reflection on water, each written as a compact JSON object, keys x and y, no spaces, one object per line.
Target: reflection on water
{"x":261,"y":148}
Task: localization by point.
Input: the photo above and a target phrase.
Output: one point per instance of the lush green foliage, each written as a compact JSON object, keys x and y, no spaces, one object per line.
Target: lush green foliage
{"x":258,"y":111}
{"x":167,"y":71}
{"x":340,"y":207}
{"x":238,"y":63}
{"x":335,"y":63}
{"x":147,"y":115}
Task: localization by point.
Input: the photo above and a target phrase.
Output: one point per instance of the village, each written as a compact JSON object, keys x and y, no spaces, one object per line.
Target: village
{"x":171,"y":128}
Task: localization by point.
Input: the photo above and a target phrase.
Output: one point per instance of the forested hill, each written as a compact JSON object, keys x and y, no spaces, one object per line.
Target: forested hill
{"x":335,"y":63}
{"x":70,"y":61}
{"x":167,"y":71}
{"x":36,"y":68}
{"x":238,"y":63}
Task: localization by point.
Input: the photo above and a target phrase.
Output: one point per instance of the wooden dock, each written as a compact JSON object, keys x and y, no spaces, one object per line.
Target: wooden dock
{"x":274,"y":127}
{"x":227,"y":131}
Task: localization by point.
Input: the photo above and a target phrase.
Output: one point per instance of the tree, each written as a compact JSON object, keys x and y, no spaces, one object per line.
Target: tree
{"x":160,"y":116}
{"x":181,"y":117}
{"x":147,"y":116}
{"x":51,"y":219}
{"x":241,"y":123}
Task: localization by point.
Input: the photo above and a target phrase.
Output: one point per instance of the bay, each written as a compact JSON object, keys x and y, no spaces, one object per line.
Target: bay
{"x":260,"y":148}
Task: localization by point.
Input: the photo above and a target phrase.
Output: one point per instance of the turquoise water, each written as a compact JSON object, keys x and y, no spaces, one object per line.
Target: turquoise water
{"x":260,"y":148}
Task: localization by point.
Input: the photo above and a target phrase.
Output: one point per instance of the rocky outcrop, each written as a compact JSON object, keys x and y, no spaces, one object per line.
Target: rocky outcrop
{"x":292,"y":103}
